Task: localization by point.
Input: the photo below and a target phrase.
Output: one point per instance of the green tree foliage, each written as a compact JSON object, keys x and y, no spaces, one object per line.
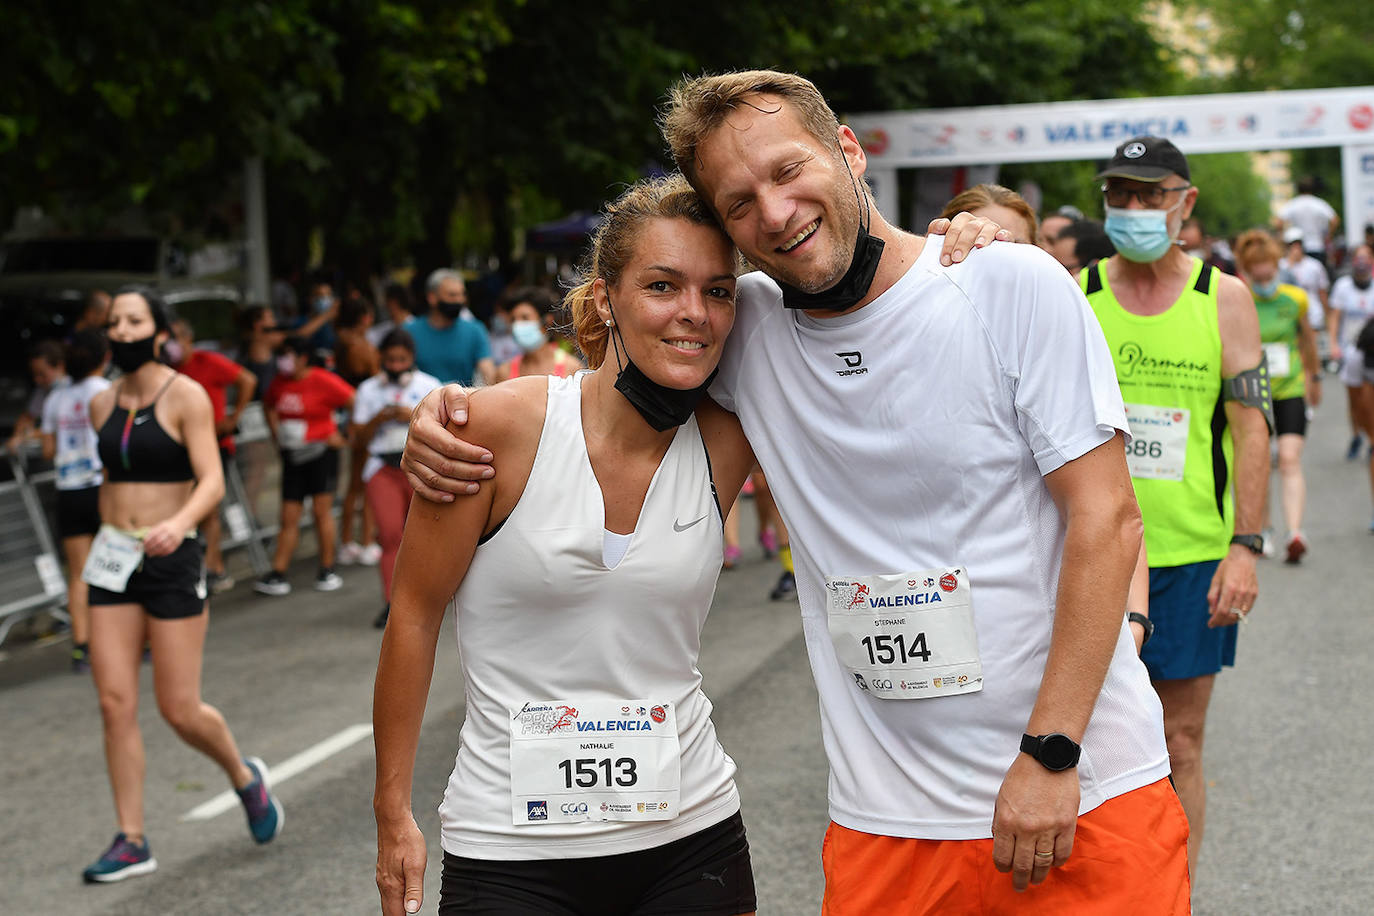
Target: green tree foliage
{"x":1231,"y":197}
{"x":1294,"y":44}
{"x":382,"y":123}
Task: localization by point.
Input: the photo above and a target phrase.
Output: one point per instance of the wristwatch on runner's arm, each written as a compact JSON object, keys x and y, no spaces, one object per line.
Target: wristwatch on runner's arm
{"x":1055,"y":752}
{"x":1251,"y":542}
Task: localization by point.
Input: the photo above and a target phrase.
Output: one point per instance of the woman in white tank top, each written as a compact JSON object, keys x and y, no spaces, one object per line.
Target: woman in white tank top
{"x":588,"y":778}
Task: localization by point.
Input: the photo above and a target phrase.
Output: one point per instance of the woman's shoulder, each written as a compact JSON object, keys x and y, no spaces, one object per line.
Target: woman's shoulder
{"x":186,"y":391}
{"x":510,"y":412}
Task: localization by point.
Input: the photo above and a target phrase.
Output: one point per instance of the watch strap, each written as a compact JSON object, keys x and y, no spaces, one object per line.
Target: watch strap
{"x":1251,"y":542}
{"x":1146,"y":624}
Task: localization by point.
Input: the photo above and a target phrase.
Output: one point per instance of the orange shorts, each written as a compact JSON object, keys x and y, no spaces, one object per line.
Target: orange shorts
{"x":1130,"y":855}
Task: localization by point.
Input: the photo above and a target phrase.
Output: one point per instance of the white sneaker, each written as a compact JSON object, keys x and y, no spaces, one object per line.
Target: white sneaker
{"x":1269,"y":547}
{"x":328,"y":581}
{"x":350,"y":553}
{"x":370,"y":554}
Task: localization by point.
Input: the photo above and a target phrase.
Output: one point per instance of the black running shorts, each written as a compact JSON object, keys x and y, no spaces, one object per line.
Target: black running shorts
{"x":78,"y":512}
{"x":705,"y":874}
{"x":1290,"y":416}
{"x":169,"y":587}
{"x":316,"y":476}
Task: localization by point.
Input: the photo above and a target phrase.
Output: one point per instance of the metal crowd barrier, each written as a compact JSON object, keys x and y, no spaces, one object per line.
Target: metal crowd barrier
{"x":31,"y":568}
{"x":30,"y":572}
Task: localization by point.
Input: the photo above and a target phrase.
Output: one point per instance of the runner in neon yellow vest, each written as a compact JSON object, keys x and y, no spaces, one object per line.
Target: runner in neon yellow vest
{"x":1290,"y":347}
{"x":1186,"y":342}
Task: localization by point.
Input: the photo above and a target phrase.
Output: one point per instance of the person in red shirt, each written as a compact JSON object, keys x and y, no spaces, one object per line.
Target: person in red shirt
{"x":216,"y":374}
{"x":300,"y":405}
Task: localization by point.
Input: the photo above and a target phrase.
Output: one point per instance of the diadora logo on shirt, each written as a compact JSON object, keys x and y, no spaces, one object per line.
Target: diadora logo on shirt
{"x":854,"y":363}
{"x":1131,"y":359}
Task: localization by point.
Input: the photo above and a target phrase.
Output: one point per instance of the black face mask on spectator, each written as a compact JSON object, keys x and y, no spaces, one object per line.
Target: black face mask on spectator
{"x":451,"y":310}
{"x":129,"y":355}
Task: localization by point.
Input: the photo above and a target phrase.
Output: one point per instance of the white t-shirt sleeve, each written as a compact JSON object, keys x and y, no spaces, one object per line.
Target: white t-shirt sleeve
{"x":366,"y":403}
{"x":755,"y":295}
{"x":1064,"y":386}
{"x":50,"y":408}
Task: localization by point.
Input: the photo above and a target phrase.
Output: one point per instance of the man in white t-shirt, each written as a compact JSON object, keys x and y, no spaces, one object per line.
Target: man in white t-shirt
{"x":946,"y":446}
{"x":1313,"y":216}
{"x":1308,"y":274}
{"x":1352,"y":306}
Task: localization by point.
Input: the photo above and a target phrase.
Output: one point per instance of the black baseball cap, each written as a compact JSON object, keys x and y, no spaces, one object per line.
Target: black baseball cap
{"x":1146,"y":159}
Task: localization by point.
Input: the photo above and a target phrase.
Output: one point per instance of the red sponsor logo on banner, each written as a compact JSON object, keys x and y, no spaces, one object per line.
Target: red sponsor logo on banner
{"x":874,"y":141}
{"x":1361,"y":117}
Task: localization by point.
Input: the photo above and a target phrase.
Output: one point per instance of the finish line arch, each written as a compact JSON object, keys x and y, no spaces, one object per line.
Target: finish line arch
{"x":1066,"y":131}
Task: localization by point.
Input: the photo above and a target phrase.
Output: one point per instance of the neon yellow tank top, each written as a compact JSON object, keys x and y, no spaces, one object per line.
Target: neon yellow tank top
{"x":1280,"y":330}
{"x":1180,"y":456}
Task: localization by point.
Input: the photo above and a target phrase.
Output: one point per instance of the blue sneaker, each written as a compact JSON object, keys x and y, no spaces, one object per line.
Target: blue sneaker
{"x":265,"y":814}
{"x":122,"y":860}
{"x":1353,"y":452}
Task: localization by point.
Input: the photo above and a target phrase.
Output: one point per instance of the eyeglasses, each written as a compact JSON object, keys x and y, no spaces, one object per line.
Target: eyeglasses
{"x":1150,"y":197}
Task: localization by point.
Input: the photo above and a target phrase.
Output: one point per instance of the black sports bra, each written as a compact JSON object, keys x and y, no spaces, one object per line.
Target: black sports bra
{"x":135,"y":448}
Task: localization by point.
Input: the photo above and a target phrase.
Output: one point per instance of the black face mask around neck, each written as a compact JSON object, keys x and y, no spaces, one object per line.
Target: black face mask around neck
{"x":853,"y":286}
{"x":662,"y":407}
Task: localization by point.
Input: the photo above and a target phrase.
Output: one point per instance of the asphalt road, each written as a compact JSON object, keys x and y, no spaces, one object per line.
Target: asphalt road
{"x":1291,"y":815}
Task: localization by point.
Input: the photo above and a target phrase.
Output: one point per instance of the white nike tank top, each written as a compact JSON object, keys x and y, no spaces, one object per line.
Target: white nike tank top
{"x":540,"y":617}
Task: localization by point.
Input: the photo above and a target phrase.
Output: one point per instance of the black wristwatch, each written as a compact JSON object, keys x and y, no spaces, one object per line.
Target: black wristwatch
{"x":1251,"y":542}
{"x":1146,"y":623}
{"x":1055,"y":752}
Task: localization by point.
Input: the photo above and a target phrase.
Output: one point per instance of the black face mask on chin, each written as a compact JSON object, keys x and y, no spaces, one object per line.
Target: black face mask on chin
{"x":863,"y":267}
{"x":662,"y":407}
{"x":128,"y":356}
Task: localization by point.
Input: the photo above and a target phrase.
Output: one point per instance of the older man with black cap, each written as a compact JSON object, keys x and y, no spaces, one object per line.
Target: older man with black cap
{"x":1186,"y":342}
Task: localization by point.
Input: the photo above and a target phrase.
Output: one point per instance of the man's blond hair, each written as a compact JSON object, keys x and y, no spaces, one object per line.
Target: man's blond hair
{"x":698,"y":106}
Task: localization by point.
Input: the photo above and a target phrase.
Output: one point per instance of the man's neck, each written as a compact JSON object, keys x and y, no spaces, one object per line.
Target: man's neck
{"x":438,"y":321}
{"x":1174,"y":262}
{"x":900,"y":251}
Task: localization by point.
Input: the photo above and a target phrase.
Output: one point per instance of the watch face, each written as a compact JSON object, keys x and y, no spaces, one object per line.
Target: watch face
{"x":1058,"y":752}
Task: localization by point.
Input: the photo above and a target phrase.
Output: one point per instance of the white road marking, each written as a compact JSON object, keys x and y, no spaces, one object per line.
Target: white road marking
{"x":283,"y":771}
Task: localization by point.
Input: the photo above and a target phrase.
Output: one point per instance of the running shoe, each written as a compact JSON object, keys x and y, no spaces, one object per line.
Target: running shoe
{"x":732,"y":553}
{"x":785,"y":589}
{"x":327,"y":580}
{"x":768,"y":540}
{"x":748,"y":488}
{"x":370,"y":555}
{"x":1267,"y":548}
{"x":218,"y":582}
{"x":1353,"y":452}
{"x":81,"y":659}
{"x":265,"y":814}
{"x":122,"y":860}
{"x":380,"y":620}
{"x":274,"y":583}
{"x":349,"y":553}
{"x":1297,"y":546}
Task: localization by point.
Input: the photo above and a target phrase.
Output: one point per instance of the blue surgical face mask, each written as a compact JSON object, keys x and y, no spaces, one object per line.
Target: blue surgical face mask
{"x":322,"y":303}
{"x":1265,"y":291}
{"x":499,"y":325}
{"x":528,"y":335}
{"x":1141,"y":236}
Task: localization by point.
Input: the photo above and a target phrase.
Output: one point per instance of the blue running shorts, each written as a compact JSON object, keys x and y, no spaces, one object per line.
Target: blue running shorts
{"x":1183,"y":646}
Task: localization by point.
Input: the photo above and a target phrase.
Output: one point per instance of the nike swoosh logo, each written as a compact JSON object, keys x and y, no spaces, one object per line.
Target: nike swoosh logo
{"x":677,"y":526}
{"x":139,"y":421}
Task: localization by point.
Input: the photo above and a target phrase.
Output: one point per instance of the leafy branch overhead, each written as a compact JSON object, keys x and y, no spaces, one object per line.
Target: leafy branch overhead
{"x":403,"y":130}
